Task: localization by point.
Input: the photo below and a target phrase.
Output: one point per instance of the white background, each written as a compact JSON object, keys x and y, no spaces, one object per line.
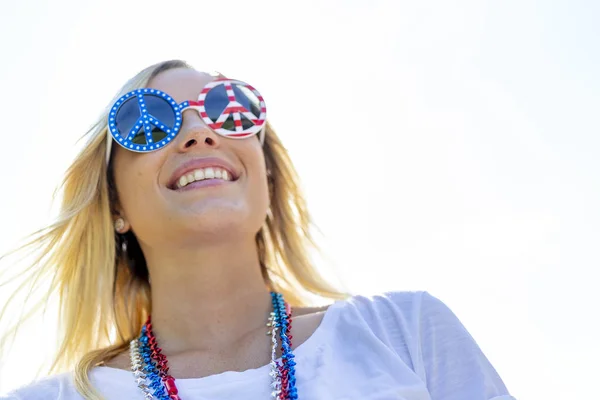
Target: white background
{"x":444,"y":146}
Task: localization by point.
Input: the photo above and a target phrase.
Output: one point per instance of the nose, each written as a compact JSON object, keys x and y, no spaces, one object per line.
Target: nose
{"x":195,"y":133}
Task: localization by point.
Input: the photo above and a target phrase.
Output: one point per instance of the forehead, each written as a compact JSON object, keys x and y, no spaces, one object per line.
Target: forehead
{"x":181,"y":83}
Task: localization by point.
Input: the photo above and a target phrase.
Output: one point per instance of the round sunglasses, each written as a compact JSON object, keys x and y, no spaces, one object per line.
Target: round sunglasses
{"x":146,"y":120}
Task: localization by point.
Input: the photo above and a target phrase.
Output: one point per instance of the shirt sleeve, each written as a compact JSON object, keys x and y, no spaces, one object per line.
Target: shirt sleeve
{"x":454,"y":366}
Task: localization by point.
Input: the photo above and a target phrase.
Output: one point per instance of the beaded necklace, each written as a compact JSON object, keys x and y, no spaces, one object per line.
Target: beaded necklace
{"x":151,"y":368}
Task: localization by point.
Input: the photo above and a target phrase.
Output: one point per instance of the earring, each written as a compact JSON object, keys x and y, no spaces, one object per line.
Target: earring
{"x":124,"y":245}
{"x":119,"y":224}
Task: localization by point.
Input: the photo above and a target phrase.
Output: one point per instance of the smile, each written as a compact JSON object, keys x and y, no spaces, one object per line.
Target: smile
{"x":202,"y":174}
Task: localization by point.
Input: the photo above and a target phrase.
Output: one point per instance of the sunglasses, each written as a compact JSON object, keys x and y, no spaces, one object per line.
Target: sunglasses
{"x":146,"y":120}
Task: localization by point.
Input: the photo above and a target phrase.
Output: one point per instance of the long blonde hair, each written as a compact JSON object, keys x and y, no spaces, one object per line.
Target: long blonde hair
{"x":104,"y":294}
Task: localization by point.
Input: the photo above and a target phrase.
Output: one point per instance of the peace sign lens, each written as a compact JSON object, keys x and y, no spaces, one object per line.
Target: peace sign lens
{"x":232,"y":108}
{"x":144,"y":120}
{"x":147,"y":119}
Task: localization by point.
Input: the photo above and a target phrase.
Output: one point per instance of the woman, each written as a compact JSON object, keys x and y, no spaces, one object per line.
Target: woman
{"x":181,"y":262}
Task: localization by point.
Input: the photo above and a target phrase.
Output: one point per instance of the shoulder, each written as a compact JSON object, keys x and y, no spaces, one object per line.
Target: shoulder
{"x":387,"y":326}
{"x":395,"y":308}
{"x":390,"y":318}
{"x":399,"y":306}
{"x":405,"y":319}
{"x":52,"y":387}
{"x":428,"y":336}
{"x":400,"y":320}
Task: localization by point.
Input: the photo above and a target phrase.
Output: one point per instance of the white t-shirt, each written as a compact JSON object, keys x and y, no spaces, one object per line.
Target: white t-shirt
{"x":399,"y":345}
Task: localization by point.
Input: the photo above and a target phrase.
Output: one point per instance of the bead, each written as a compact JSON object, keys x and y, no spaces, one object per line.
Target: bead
{"x":150,"y":367}
{"x":170,"y":385}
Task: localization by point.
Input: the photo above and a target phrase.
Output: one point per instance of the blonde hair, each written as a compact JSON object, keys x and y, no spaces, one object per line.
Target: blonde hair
{"x":103,"y":293}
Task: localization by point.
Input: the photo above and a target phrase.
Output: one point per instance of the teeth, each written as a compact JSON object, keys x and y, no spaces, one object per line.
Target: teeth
{"x":201,"y":174}
{"x":183,"y":181}
{"x":198,"y":174}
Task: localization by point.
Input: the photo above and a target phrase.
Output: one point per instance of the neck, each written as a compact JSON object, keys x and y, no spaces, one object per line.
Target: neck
{"x":204,"y":297}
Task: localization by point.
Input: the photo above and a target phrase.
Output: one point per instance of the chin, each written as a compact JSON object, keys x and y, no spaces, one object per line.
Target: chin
{"x":219,"y":225}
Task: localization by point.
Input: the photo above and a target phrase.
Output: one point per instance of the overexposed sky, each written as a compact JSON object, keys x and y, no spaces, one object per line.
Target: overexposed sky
{"x":444,"y":146}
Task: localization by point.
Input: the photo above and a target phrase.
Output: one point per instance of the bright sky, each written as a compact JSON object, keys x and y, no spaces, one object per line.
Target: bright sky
{"x":444,"y":146}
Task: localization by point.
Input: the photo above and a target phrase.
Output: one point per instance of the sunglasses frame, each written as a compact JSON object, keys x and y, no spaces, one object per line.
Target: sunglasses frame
{"x":146,"y":120}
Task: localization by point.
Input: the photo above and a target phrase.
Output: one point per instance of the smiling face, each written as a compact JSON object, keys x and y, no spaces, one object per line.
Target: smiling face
{"x":201,"y":187}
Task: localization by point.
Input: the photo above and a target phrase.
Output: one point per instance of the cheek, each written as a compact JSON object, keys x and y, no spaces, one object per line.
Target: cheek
{"x":130,"y":188}
{"x":134,"y":181}
{"x":260,"y":193}
{"x":257,"y":170}
{"x":259,"y":202}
